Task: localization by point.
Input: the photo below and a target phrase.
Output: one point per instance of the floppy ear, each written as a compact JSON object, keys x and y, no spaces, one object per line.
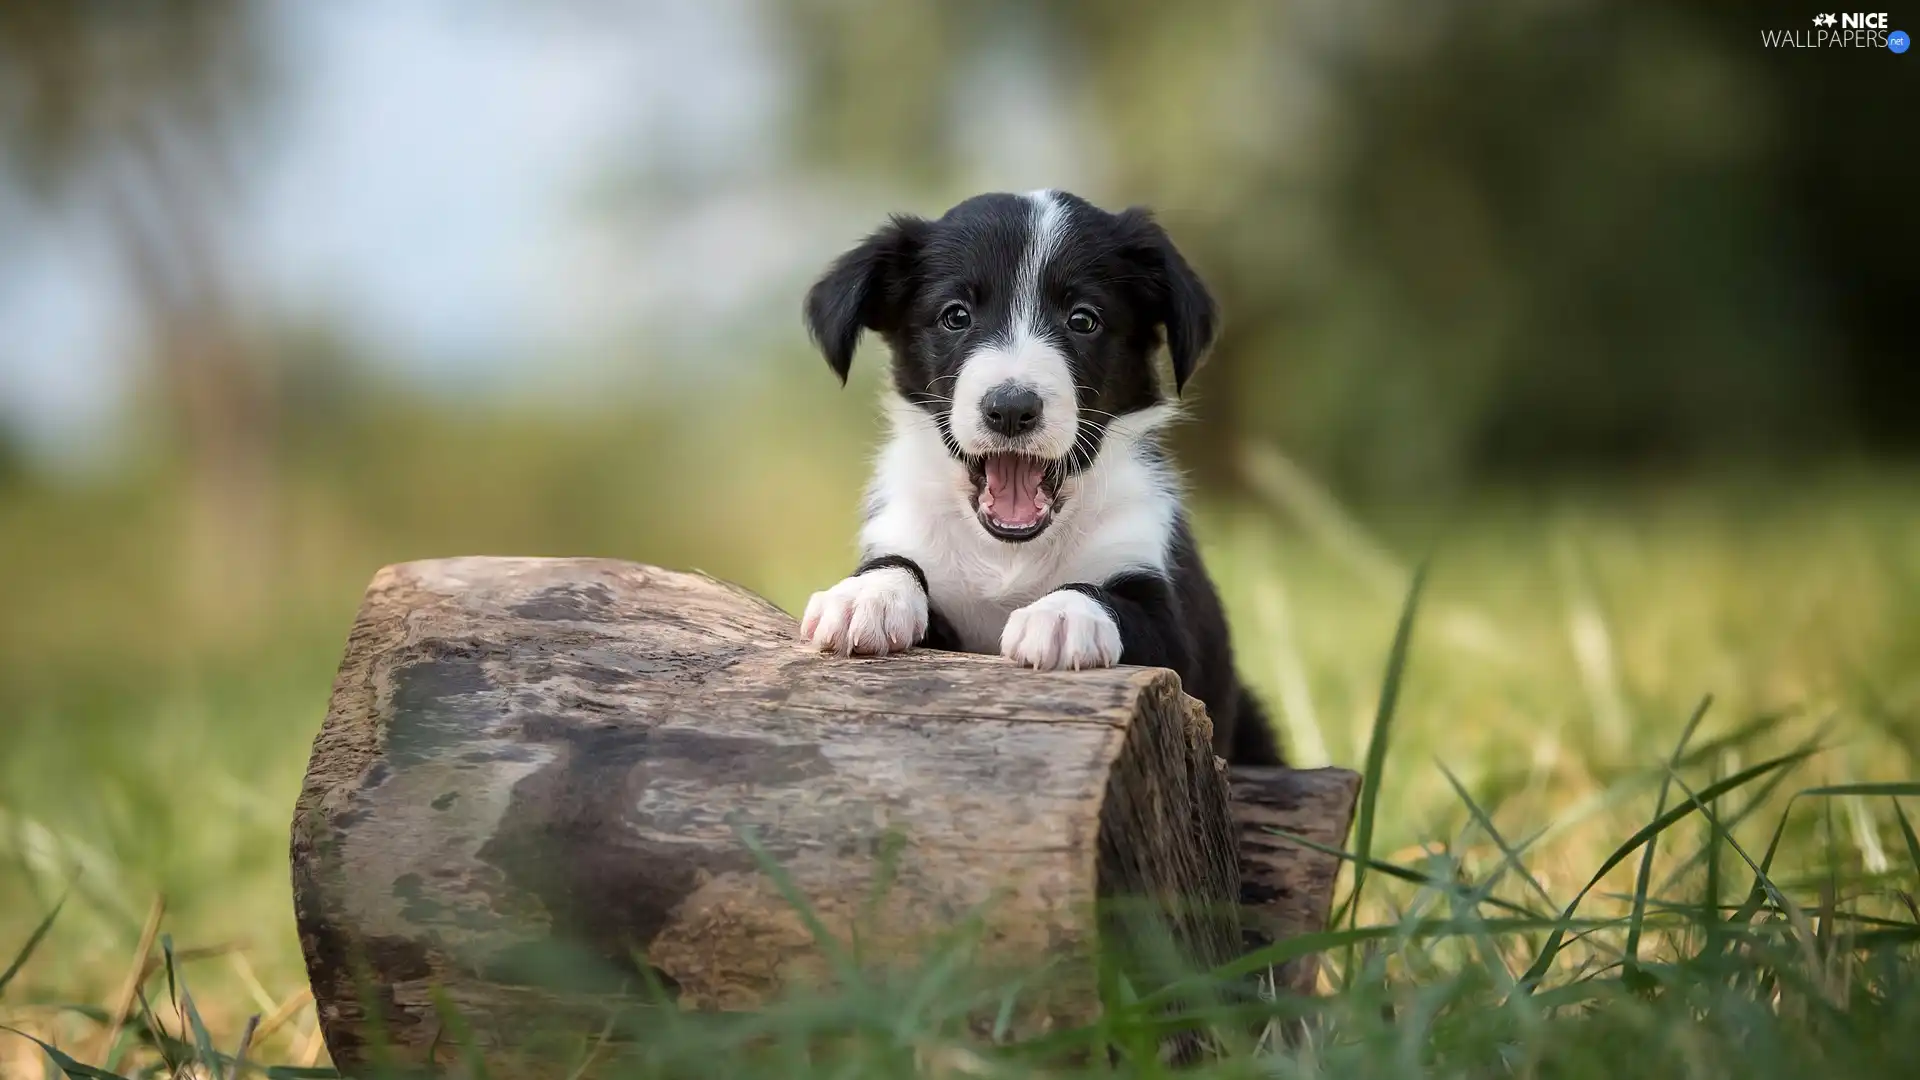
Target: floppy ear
{"x":1177,"y":297}
{"x":865,"y":289}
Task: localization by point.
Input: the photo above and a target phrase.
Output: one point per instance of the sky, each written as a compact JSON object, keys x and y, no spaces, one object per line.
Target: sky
{"x":425,"y":178}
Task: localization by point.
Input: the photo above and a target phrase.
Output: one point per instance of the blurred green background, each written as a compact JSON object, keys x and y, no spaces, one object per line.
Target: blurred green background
{"x":1606,"y":306}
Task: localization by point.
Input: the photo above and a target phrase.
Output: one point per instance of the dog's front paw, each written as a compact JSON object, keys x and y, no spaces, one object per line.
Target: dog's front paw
{"x":1063,"y":629}
{"x":870,"y":614}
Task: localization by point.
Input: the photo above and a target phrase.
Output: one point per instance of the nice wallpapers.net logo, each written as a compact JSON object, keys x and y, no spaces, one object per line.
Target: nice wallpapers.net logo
{"x":1841,"y":30}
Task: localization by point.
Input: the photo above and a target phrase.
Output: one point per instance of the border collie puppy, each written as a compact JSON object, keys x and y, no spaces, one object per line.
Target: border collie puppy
{"x":1022,"y":504}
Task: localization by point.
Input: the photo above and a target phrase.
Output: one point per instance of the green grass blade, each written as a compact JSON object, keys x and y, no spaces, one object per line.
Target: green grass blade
{"x":173,"y":987}
{"x":1509,"y":854}
{"x":1756,"y":800}
{"x":1906,"y":831}
{"x":1293,"y":948}
{"x":1757,"y":895}
{"x":33,"y":942}
{"x":830,"y":946}
{"x":1894,"y":789}
{"x":1486,"y":949}
{"x":74,"y":1069}
{"x":1645,"y":876}
{"x":1406,"y":874}
{"x":454,"y":1023}
{"x":1750,"y":732}
{"x":203,"y":1046}
{"x":1377,"y":743}
{"x":173,"y":1052}
{"x":1711,"y":889}
{"x":936,"y":978}
{"x":1762,"y":882}
{"x":202,"y":1038}
{"x":1798,"y":919}
{"x":1647,"y":832}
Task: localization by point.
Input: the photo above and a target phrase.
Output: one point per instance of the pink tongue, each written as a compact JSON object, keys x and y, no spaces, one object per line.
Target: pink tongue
{"x":1013,"y":495}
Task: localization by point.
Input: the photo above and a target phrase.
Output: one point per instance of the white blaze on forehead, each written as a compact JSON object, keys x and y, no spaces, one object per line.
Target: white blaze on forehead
{"x":1025,"y":352}
{"x":1047,"y":221}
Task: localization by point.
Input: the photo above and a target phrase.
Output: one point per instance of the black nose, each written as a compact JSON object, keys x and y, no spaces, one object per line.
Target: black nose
{"x":1011,"y":409}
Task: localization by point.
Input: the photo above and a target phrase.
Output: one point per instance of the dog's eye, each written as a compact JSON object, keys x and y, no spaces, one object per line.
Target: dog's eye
{"x":1083,"y":321}
{"x":956,"y":317}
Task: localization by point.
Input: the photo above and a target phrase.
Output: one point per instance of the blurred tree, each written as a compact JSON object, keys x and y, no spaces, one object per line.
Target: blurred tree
{"x":127,"y":113}
{"x":874,"y":81}
{"x":1456,"y":243}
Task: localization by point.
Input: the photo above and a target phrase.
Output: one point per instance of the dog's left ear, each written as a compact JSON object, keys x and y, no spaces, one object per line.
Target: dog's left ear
{"x":1177,"y":297}
{"x":865,"y":289}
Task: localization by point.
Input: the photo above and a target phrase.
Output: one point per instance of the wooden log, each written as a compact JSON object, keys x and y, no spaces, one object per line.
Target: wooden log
{"x":1286,"y":888}
{"x":533,"y":792}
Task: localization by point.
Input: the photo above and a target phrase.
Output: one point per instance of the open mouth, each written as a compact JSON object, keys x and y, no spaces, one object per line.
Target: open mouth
{"x":1015,"y":495}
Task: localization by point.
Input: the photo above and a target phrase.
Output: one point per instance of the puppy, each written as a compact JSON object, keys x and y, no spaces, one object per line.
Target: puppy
{"x":1022,"y":504}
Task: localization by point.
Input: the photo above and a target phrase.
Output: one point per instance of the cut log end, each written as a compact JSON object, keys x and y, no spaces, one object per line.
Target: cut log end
{"x":544,"y":786}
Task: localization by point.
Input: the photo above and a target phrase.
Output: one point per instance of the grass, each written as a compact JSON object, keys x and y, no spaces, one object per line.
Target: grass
{"x":1566,"y":866}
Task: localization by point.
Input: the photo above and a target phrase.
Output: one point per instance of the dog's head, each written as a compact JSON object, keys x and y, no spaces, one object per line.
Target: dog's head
{"x":1024,"y":325}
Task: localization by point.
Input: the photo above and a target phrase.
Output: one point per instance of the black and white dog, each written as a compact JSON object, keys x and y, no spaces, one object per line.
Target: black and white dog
{"x":1022,"y":503}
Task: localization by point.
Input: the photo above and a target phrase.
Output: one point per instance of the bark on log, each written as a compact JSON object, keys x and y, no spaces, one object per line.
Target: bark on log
{"x":529,"y":796}
{"x":1286,"y":888}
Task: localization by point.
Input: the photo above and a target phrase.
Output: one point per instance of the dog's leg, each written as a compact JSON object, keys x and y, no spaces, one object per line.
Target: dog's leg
{"x":880,"y":609}
{"x":1251,"y":742}
{"x":1064,"y":629}
{"x":1130,"y":619}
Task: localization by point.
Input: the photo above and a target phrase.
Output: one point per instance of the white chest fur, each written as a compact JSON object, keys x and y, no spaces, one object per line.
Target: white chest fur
{"x":1117,"y":516}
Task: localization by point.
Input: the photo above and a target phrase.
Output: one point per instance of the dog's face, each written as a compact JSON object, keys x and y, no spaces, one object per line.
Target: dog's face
{"x":1024,"y":325}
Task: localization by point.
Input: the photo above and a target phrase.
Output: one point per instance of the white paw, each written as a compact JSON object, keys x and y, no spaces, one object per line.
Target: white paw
{"x":871,"y":614}
{"x":1064,"y":629}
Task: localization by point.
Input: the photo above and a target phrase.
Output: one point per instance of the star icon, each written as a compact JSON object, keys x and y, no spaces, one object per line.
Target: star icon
{"x":1824,"y":20}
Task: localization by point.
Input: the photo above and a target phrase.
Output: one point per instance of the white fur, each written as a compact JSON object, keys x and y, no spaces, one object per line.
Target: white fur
{"x":1025,"y":354}
{"x":1064,"y":629}
{"x":1114,"y":517}
{"x":870,"y":614}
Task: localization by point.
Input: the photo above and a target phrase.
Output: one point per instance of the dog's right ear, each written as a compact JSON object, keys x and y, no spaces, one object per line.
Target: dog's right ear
{"x":1176,"y":295}
{"x":866,"y":289}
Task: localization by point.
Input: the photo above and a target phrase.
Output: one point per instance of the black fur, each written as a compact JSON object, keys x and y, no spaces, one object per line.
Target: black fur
{"x":1178,"y":623}
{"x":900,"y":562}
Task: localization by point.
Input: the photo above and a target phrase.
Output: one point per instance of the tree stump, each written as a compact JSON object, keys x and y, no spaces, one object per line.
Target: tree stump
{"x":545,"y":787}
